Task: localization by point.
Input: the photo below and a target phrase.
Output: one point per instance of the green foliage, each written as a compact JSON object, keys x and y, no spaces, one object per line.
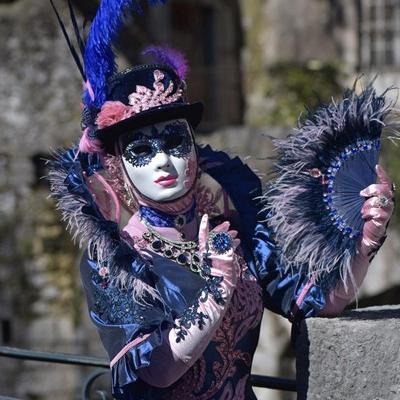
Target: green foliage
{"x":294,"y":87}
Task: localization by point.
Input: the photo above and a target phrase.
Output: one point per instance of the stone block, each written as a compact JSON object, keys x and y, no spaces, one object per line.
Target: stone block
{"x":355,"y":356}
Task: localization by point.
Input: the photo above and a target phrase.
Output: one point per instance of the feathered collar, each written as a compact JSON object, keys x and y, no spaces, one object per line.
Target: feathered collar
{"x":69,"y":176}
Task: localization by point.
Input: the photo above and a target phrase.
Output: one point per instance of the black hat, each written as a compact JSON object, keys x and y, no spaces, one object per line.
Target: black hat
{"x":116,"y":102}
{"x":140,"y":96}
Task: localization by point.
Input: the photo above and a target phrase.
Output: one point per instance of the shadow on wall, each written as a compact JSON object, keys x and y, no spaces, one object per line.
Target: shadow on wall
{"x":388,"y":296}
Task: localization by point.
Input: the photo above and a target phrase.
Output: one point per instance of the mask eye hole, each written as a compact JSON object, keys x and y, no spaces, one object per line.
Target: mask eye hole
{"x":140,"y":149}
{"x":173,"y":141}
{"x":135,"y":150}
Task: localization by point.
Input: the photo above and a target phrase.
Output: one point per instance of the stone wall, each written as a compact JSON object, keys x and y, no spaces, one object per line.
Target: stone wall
{"x":352,"y":357}
{"x":307,"y":33}
{"x":40,"y":292}
{"x":42,"y":306}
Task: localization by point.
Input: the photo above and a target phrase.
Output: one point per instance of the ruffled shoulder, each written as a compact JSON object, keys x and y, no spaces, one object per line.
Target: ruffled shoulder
{"x":68,"y":175}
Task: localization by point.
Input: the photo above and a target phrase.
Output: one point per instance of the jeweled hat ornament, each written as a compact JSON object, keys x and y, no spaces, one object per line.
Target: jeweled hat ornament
{"x":314,"y":202}
{"x":117,"y":102}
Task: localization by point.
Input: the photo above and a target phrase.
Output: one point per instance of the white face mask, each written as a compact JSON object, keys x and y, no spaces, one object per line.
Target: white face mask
{"x":160,"y":159}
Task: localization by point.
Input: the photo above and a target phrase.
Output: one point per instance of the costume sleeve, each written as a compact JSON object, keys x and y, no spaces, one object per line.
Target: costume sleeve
{"x":128,"y":330}
{"x":288,"y":293}
{"x":175,"y":356}
{"x":341,"y":295}
{"x":150,"y":346}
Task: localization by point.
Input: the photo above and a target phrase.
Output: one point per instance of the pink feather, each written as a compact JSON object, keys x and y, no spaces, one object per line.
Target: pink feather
{"x":88,"y":145}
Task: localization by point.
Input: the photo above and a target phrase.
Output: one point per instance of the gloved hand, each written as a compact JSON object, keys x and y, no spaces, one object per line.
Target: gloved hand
{"x":211,"y":247}
{"x":174,"y":357}
{"x":376,"y":212}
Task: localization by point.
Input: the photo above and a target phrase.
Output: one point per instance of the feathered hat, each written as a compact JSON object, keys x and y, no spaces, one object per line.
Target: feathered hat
{"x":116,"y":102}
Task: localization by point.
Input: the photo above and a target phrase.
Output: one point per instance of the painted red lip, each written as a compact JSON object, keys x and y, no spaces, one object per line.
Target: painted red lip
{"x":166,"y":180}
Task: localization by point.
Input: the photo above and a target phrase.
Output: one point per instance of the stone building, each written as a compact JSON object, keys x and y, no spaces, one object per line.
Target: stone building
{"x":253,"y":63}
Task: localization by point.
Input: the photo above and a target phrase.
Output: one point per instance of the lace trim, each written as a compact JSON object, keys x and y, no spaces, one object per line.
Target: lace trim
{"x":192,"y":316}
{"x":115,"y":305}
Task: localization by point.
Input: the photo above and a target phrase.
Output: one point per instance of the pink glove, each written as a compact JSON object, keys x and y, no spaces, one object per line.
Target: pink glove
{"x":376,"y":217}
{"x":225,"y":264}
{"x":376,"y":213}
{"x":173,"y":358}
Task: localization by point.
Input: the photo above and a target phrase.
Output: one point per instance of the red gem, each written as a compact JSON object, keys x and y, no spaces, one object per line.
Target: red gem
{"x":315,"y":173}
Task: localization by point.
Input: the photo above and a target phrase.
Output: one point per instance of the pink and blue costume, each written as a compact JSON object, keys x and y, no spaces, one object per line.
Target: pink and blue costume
{"x":131,"y":331}
{"x":178,"y":324}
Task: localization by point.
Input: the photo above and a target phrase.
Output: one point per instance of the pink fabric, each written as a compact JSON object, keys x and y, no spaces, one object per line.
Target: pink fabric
{"x":106,"y":198}
{"x":125,"y":349}
{"x":113,"y":195}
{"x":207,"y":200}
{"x":112,"y":112}
{"x":191,"y":173}
{"x":177,"y":358}
{"x":227,"y":327}
{"x":304,"y":292}
{"x":244,"y":313}
{"x":343,"y":294}
{"x":88,"y":145}
{"x":171,"y":360}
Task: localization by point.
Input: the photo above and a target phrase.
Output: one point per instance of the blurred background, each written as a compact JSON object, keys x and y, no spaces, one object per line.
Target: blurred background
{"x":255,"y":64}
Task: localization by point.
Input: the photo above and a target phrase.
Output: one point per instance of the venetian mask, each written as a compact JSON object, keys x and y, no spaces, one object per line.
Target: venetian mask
{"x":160,"y":159}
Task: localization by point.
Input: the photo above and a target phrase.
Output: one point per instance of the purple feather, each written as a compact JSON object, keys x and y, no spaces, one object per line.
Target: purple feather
{"x":169,"y":56}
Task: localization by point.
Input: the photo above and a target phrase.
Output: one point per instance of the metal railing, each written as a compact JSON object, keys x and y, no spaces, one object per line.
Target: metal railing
{"x":102,"y":366}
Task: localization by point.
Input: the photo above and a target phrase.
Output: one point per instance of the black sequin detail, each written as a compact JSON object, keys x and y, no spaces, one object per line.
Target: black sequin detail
{"x":175,"y":140}
{"x":88,"y":117}
{"x":192,"y":316}
{"x":116,"y":306}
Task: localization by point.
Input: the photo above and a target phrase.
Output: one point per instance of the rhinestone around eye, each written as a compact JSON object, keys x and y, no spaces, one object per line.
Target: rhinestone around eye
{"x":183,"y":150}
{"x":141,"y":161}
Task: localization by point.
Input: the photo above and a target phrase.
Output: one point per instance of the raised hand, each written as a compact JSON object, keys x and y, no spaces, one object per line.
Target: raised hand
{"x":219,"y":246}
{"x":376,"y":212}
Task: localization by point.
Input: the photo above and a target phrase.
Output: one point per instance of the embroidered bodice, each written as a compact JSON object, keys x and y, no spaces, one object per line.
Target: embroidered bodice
{"x":223,"y":371}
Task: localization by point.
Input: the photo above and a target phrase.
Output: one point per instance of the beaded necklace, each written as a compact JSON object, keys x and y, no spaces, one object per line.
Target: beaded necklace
{"x":186,"y":254}
{"x":183,"y":253}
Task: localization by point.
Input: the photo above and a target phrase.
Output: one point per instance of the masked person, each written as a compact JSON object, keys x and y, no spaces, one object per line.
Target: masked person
{"x":177,"y":294}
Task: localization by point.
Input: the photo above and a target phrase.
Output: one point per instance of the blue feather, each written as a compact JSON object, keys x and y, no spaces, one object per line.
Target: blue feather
{"x":99,"y":56}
